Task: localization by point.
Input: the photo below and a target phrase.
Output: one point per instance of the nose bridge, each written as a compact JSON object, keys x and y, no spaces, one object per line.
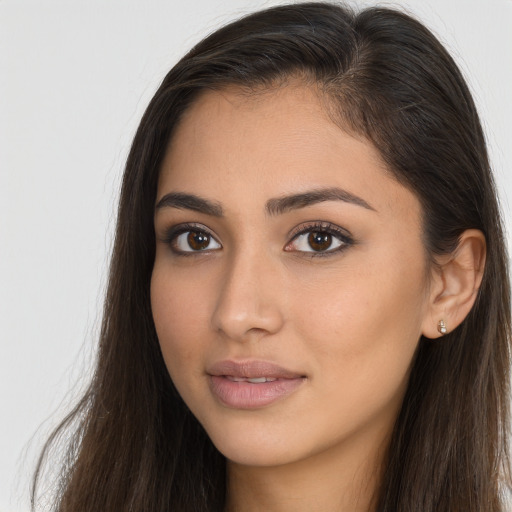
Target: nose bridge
{"x":250,"y":299}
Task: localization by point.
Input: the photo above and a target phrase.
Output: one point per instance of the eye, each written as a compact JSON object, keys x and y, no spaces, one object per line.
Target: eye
{"x":320,"y":238}
{"x":190,"y":239}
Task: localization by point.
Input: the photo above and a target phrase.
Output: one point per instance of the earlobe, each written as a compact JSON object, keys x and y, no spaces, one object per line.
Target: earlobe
{"x":455,"y":284}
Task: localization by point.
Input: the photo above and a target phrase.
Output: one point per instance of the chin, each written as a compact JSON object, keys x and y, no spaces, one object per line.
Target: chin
{"x":257,"y":455}
{"x":248,"y":444}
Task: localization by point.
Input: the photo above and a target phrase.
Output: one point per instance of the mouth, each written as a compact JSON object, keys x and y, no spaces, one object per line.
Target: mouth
{"x":252,"y":380}
{"x":251,"y":384}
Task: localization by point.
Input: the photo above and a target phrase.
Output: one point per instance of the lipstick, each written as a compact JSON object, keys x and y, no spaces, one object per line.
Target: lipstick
{"x":251,"y":384}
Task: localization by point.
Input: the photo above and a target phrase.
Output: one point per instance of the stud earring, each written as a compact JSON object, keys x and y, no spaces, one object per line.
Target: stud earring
{"x":441,"y":327}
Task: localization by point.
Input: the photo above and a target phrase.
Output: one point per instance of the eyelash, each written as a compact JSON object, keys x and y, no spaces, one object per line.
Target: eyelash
{"x":339,"y":233}
{"x":172,"y":235}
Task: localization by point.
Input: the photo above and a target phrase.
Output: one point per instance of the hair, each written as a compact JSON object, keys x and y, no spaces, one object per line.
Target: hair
{"x":135,"y":446}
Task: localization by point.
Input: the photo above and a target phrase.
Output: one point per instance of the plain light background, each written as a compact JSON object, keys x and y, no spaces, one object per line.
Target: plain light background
{"x":75,"y":77}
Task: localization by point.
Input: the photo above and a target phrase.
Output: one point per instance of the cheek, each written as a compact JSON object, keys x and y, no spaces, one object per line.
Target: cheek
{"x":179,"y":309}
{"x":362,"y":327}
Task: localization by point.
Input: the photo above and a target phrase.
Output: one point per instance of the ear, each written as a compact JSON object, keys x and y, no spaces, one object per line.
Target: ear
{"x":455,"y":284}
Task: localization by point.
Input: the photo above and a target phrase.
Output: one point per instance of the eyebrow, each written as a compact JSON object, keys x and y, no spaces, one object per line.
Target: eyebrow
{"x":190,"y":202}
{"x":274,"y":206}
{"x":287,"y":203}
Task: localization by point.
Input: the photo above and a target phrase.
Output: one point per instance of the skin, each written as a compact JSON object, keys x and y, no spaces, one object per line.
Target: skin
{"x":348,"y":320}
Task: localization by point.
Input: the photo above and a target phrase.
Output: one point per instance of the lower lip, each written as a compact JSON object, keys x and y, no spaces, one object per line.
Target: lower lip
{"x":246,"y":395}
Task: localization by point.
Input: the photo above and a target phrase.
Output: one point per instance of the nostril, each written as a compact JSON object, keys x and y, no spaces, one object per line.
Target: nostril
{"x":244,"y":320}
{"x":249,"y":304}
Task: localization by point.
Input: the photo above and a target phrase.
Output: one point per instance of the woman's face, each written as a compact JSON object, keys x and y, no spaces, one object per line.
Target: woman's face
{"x":290,"y":283}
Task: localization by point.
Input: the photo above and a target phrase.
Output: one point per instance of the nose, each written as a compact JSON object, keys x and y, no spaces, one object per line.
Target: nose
{"x":249,"y":304}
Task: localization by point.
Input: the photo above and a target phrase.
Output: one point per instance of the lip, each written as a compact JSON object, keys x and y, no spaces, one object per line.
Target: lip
{"x":228,"y":384}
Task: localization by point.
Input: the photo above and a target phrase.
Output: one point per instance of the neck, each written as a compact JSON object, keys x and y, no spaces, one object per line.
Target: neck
{"x":341,"y":479}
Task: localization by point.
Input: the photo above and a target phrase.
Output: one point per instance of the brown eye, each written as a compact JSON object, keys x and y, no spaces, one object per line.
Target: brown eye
{"x":198,"y":240}
{"x":319,"y":241}
{"x":193,"y":240}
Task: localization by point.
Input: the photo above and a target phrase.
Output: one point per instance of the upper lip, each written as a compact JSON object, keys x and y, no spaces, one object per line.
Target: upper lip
{"x":252,"y":369}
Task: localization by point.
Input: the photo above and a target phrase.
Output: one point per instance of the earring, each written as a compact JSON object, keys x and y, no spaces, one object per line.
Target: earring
{"x":441,"y":327}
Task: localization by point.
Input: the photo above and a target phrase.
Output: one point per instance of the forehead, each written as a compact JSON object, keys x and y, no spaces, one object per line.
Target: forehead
{"x":233,"y":144}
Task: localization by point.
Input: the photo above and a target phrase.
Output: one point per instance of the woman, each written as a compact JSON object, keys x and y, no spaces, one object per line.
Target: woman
{"x":308,"y":305}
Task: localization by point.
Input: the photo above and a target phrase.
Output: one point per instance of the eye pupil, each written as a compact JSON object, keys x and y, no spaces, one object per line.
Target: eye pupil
{"x":319,"y":241}
{"x":198,"y":240}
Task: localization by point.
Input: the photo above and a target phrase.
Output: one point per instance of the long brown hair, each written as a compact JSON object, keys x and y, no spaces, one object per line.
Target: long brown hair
{"x":135,"y":446}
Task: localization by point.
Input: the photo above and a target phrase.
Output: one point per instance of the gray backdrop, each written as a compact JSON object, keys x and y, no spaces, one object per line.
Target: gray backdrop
{"x":75,"y":77}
